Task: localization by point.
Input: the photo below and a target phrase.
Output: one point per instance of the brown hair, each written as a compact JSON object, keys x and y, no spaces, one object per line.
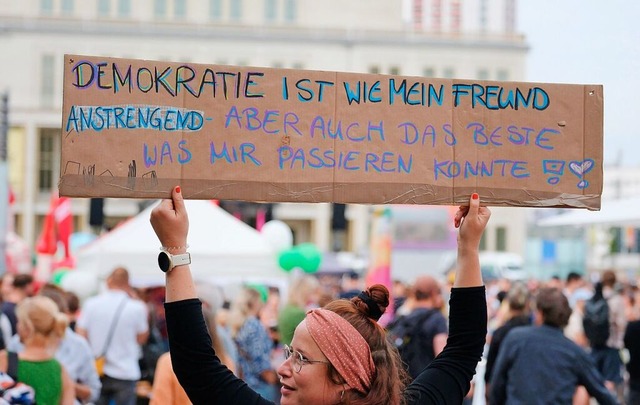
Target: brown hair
{"x":40,"y":315}
{"x":57,"y":294}
{"x":608,"y":278}
{"x":22,"y":280}
{"x":390,"y":378}
{"x":554,"y":306}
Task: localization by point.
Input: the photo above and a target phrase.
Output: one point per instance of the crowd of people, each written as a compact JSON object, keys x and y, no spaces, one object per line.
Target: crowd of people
{"x":189,"y":343}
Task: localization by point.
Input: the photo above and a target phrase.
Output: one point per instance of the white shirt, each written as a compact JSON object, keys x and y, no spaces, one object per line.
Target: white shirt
{"x":97,"y":316}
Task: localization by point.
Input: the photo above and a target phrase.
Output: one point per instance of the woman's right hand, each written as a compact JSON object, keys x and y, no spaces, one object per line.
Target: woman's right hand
{"x":471,"y":220}
{"x":170,"y":222}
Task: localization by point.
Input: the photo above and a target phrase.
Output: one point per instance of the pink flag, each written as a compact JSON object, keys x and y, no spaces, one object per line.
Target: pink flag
{"x":380,"y":267}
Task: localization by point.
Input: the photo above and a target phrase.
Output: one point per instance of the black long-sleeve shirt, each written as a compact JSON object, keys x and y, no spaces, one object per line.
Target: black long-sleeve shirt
{"x":632,"y":343}
{"x":445,"y":381}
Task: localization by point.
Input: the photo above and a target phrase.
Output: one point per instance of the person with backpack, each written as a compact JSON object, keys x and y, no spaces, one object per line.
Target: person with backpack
{"x":604,"y":324}
{"x":422,"y":334}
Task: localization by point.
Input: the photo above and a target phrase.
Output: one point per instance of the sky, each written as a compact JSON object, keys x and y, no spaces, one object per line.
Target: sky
{"x":591,"y":42}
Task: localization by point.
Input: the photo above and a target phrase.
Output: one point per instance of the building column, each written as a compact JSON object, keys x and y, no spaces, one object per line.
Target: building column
{"x":322,"y":227}
{"x":359,"y":218}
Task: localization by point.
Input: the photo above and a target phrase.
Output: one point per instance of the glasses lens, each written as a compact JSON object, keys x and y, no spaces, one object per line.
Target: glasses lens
{"x":296,"y":361}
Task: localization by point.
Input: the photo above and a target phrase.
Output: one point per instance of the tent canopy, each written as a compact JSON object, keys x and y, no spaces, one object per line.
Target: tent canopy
{"x":223,"y":249}
{"x":624,"y":212}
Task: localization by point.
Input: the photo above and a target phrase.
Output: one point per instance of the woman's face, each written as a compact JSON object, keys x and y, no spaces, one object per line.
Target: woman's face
{"x":312,"y":385}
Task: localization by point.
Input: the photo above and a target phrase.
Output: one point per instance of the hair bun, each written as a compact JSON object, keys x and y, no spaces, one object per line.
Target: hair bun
{"x":372,"y":302}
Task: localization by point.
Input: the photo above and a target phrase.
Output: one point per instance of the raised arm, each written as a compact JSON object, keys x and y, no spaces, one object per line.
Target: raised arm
{"x":447,"y":379}
{"x":193,"y":358}
{"x":171,"y":224}
{"x":471,"y":220}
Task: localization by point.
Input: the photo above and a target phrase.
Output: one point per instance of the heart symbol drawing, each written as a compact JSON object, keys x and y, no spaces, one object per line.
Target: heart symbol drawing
{"x":581,"y":168}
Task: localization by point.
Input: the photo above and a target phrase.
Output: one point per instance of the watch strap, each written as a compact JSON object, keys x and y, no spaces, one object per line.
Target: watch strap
{"x":180,"y":260}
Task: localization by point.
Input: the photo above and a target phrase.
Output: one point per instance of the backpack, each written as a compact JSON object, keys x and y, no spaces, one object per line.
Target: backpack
{"x":405,"y":334}
{"x":596,"y":321}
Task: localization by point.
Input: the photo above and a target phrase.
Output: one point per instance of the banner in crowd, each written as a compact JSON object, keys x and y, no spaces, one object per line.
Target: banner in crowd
{"x":136,"y":128}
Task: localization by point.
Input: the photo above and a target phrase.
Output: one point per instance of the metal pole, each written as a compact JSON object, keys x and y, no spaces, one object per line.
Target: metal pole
{"x":4,"y":180}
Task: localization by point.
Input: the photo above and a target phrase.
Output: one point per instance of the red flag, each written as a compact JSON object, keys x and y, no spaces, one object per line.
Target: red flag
{"x":64,"y":223}
{"x":47,"y":240}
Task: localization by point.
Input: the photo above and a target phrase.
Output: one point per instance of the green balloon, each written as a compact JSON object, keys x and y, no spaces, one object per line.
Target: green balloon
{"x":311,"y":257}
{"x":289,"y":259}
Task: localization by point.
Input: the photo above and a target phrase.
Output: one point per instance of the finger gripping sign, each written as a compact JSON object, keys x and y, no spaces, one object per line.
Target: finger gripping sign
{"x":136,"y":128}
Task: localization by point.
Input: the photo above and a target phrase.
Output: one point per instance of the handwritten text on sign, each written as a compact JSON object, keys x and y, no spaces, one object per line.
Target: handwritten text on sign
{"x":134,"y":128}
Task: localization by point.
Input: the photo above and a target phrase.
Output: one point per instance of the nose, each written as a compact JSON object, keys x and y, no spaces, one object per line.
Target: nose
{"x":286,"y":368}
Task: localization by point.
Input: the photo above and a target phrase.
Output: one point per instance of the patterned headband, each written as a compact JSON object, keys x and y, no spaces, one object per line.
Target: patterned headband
{"x":344,"y":346}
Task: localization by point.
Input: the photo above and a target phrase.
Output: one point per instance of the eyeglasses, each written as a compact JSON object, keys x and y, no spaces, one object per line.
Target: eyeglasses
{"x":298,"y":359}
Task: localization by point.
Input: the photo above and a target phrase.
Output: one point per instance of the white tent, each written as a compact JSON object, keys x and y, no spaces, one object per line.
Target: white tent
{"x":623,"y":212}
{"x":223,"y":250}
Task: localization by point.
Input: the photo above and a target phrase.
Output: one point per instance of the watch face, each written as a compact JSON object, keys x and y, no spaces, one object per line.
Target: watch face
{"x":164,"y":261}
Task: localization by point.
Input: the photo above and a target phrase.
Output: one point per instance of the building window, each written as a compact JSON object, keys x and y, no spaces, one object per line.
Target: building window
{"x":49,"y":158}
{"x":394,"y":70}
{"x":448,"y":73}
{"x":483,"y":242}
{"x":436,"y":15}
{"x":483,"y":74}
{"x":501,"y":239}
{"x":46,"y":7}
{"x":124,"y":8}
{"x":456,"y":16}
{"x":270,"y":10}
{"x":160,"y":8}
{"x":180,"y":9}
{"x":236,"y":10}
{"x":215,"y":9}
{"x":67,"y":7}
{"x":47,"y":80}
{"x":290,"y":10}
{"x":428,"y":72}
{"x":503,"y":75}
{"x":104,"y":7}
{"x":298,"y":65}
{"x":374,"y":69}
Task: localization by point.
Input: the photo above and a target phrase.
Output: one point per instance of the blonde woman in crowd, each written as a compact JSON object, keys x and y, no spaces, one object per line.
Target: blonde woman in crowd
{"x":253,"y":342}
{"x":41,"y":327}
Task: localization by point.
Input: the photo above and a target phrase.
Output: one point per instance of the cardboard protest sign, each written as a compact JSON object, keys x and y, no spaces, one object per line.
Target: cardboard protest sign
{"x":137,"y":128}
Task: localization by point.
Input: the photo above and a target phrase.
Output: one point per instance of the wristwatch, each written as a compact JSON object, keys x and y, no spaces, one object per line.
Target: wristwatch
{"x":167,"y":261}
